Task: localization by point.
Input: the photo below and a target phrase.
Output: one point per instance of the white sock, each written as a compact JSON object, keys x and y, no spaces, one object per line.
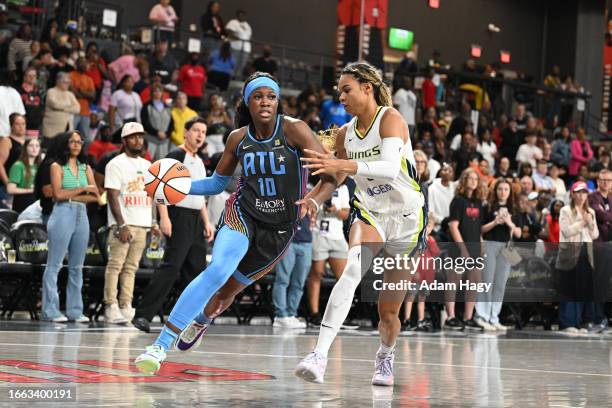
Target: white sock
{"x":341,"y":298}
{"x":386,"y":349}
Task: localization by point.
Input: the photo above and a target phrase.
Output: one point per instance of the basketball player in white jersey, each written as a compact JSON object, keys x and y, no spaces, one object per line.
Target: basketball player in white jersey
{"x":388,"y":209}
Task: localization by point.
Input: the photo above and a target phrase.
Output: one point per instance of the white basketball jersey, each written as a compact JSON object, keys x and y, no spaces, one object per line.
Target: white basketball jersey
{"x":382,"y":196}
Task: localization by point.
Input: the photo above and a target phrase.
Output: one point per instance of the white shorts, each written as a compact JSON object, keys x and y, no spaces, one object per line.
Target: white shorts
{"x":324,"y":248}
{"x":402,"y":234}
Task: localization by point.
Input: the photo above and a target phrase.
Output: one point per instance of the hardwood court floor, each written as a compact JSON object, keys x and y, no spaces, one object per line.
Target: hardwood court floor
{"x":243,"y":366}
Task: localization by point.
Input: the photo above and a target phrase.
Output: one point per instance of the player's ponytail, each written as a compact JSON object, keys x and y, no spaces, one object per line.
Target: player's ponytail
{"x":243,"y":117}
{"x":366,"y":73}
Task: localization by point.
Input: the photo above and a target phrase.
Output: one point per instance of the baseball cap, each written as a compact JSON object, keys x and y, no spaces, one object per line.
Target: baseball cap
{"x":132,"y":128}
{"x":579,"y":186}
{"x":533,"y":196}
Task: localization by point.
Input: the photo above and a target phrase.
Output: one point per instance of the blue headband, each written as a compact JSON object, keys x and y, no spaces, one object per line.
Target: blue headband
{"x":260,"y":83}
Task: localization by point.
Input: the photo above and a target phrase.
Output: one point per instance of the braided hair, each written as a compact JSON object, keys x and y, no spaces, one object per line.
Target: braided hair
{"x":365,"y":73}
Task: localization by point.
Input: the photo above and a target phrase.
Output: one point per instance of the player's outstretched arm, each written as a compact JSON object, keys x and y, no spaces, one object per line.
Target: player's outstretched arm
{"x":216,"y":183}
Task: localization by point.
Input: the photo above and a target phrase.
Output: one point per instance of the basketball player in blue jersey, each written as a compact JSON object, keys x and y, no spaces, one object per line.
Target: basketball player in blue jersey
{"x":388,"y":210}
{"x":259,"y":219}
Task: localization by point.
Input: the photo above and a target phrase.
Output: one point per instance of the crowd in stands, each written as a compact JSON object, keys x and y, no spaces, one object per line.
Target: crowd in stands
{"x":487,"y":175}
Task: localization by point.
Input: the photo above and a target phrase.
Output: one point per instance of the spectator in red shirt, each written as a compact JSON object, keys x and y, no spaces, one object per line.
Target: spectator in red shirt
{"x":96,"y":70}
{"x":192,"y":78}
{"x":429,"y":91}
{"x":102,"y":145}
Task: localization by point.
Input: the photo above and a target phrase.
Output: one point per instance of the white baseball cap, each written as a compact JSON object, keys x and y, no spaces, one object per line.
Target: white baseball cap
{"x":132,"y":128}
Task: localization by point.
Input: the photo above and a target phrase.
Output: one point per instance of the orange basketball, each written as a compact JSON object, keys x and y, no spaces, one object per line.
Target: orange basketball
{"x":167,"y":181}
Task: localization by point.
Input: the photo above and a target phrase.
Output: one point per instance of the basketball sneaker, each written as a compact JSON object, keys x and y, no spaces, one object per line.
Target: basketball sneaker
{"x":191,"y":336}
{"x":150,"y":361}
{"x":312,"y":368}
{"x":383,"y":369}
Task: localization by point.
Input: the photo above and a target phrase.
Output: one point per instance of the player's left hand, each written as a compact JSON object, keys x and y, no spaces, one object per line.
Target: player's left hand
{"x":324,"y":163}
{"x":308,"y":207}
{"x":209,"y":232}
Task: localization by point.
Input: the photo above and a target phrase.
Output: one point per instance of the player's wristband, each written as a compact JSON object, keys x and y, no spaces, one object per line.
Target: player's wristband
{"x":315,"y":203}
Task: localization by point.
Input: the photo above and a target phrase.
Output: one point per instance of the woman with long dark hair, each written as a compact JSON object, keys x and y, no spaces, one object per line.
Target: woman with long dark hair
{"x":221,"y":67}
{"x":22,"y":174}
{"x":499,"y":227}
{"x":73,"y":187}
{"x":260,"y":218}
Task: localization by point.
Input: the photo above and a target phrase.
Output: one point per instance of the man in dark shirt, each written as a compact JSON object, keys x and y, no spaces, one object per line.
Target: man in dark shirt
{"x":162,"y":63}
{"x":266,"y":63}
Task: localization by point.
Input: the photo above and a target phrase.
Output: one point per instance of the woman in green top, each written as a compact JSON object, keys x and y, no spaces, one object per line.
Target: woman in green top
{"x":22,"y":173}
{"x":73,"y":186}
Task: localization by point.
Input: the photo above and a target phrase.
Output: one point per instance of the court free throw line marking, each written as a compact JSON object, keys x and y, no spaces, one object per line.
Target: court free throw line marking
{"x":356,"y":360}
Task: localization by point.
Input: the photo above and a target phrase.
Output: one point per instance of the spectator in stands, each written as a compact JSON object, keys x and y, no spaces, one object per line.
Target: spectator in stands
{"x":561,"y":151}
{"x":218,"y":122}
{"x":333,"y":113}
{"x":525,"y":169}
{"x":602,"y":160}
{"x":543,"y":182}
{"x":103,"y":144}
{"x":192,"y":79}
{"x":187,"y":229}
{"x":50,"y":34}
{"x":465,"y":223}
{"x":60,"y":108}
{"x":22,"y":174}
{"x":32,"y":101}
{"x":499,"y":226}
{"x":6,"y":35}
{"x":486,"y":147}
{"x":20,"y":49}
{"x":164,"y":17}
{"x":126,"y":64}
{"x":440,"y":194}
{"x":181,"y":114}
{"x":528,"y":219}
{"x":145,"y":94}
{"x":553,"y":79}
{"x":511,"y":141}
{"x":422,"y":168}
{"x":406,"y":68}
{"x":521,"y":117}
{"x":129,"y":216}
{"x":11,"y":147}
{"x":62,"y":64}
{"x":84,"y":89}
{"x":10,"y":102}
{"x":581,"y":153}
{"x":290,"y":106}
{"x":503,"y":168}
{"x":291,"y":273}
{"x":483,"y":169}
{"x":600,"y":201}
{"x":73,"y":186}
{"x":466,"y":153}
{"x":428,"y":92}
{"x":405,"y":101}
{"x":96,"y":69}
{"x":212,"y":25}
{"x":162,"y":63}
{"x":157,"y":121}
{"x":239,"y":32}
{"x":550,"y":234}
{"x":528,"y":152}
{"x":266,"y":63}
{"x":431,"y":119}
{"x":559,"y":184}
{"x":328,"y":246}
{"x":527,"y":185}
{"x":577,"y":230}
{"x":221,"y":67}
{"x":125,"y":104}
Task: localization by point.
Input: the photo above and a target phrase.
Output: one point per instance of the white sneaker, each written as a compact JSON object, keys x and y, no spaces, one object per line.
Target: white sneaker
{"x":297,"y":323}
{"x":150,"y":361}
{"x":312,"y":368}
{"x":113,"y":315}
{"x":383,"y":369}
{"x":499,"y":327}
{"x":570,"y":330}
{"x":59,"y":319}
{"x":288,"y":323}
{"x":128,"y":313}
{"x":486,"y":325}
{"x":82,"y":319}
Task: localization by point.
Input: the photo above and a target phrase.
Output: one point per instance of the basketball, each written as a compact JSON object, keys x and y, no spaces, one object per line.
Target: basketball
{"x":167,"y":181}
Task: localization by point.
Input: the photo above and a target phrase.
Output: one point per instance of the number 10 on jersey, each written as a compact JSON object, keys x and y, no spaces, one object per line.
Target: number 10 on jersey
{"x":267,"y":187}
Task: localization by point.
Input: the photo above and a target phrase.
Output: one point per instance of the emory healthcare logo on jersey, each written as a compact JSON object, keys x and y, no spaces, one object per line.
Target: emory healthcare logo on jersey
{"x":270,"y":206}
{"x":380,"y":189}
